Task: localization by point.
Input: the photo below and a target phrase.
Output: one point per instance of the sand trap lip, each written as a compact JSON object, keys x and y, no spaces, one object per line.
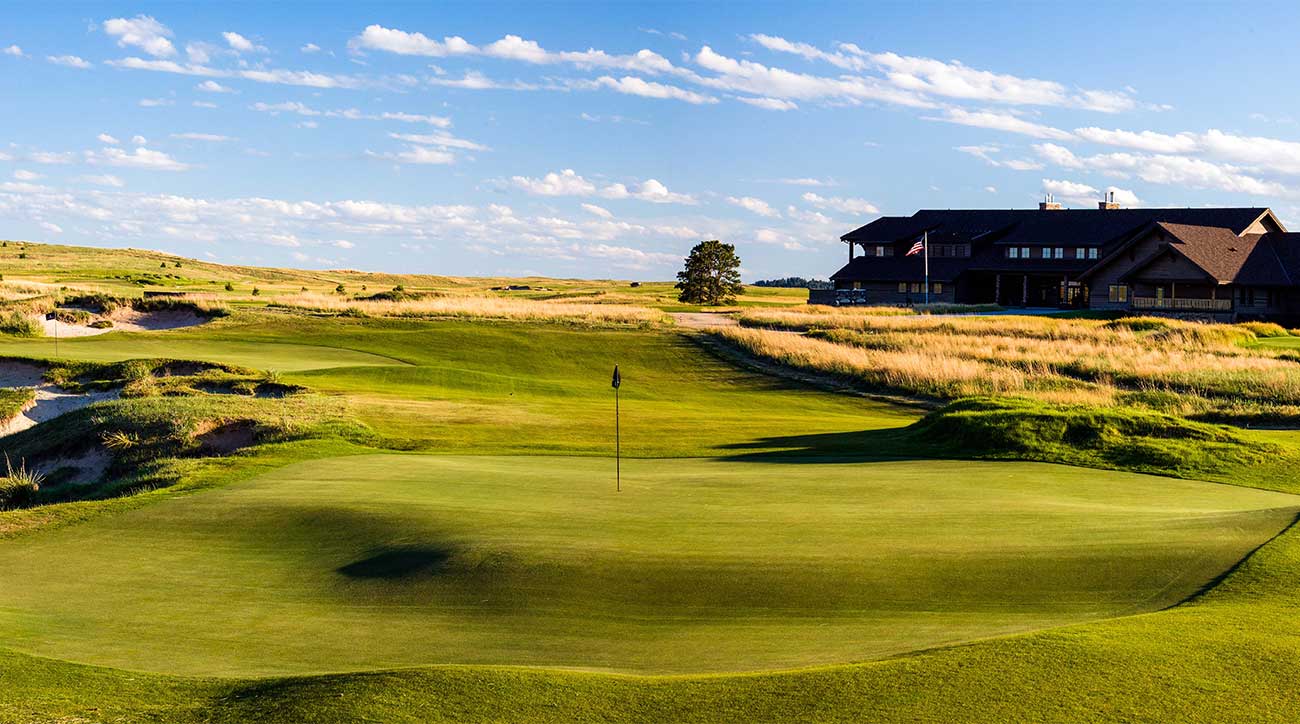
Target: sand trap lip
{"x":125,"y":320}
{"x":50,"y":402}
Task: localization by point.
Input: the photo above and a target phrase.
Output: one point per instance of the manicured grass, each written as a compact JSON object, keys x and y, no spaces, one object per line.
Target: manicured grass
{"x":698,"y":565}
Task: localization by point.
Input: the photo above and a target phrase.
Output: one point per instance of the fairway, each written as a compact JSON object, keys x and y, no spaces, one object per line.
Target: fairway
{"x":699,"y":565}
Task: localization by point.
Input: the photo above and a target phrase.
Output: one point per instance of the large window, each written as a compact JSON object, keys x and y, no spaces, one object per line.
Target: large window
{"x":1024,"y":252}
{"x":1080,"y":252}
{"x":1013,"y":253}
{"x":882,"y":250}
{"x":1119,"y":292}
{"x":916,"y":287}
{"x":938,"y":288}
{"x":1060,"y":252}
{"x":1092,"y":252}
{"x":902,"y":287}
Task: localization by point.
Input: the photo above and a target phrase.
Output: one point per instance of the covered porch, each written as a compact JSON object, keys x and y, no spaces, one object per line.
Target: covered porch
{"x":1185,"y":295}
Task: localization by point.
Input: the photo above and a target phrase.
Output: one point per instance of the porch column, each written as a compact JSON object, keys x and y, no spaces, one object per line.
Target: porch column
{"x":850,"y":251}
{"x":1173,"y":290}
{"x":997,"y":289}
{"x":1024,"y":290}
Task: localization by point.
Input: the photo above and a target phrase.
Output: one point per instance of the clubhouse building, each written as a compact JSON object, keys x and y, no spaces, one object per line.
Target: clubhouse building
{"x":1221,"y":264}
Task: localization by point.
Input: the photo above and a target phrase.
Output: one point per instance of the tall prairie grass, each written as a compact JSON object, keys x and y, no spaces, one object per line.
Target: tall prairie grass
{"x":477,"y":307}
{"x":1191,"y":369}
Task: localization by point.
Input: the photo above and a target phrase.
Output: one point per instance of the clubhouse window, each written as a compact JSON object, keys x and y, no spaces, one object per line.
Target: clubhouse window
{"x":1024,"y":252}
{"x":882,"y":250}
{"x":902,"y":287}
{"x":1013,"y":253}
{"x":1092,"y":252}
{"x":1059,"y":252}
{"x":1080,"y":252}
{"x":916,"y":287}
{"x":938,"y":287}
{"x":1119,"y":292}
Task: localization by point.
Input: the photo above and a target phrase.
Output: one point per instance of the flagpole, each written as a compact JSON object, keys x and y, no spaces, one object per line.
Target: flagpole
{"x":925,"y":249}
{"x":618,"y":449}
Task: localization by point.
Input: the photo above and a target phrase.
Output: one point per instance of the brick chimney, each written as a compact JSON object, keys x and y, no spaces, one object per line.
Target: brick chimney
{"x":1108,"y":202}
{"x":1048,"y":204}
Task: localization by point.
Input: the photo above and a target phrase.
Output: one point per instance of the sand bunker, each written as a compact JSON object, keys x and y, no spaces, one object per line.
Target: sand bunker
{"x":86,"y":468}
{"x":51,"y":401}
{"x":124,"y":320}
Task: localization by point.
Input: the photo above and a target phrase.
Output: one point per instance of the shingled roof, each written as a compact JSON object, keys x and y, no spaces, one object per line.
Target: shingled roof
{"x":1255,"y":259}
{"x":1034,"y":227}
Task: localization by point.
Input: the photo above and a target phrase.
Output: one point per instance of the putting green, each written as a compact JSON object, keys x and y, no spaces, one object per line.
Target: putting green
{"x":698,"y":565}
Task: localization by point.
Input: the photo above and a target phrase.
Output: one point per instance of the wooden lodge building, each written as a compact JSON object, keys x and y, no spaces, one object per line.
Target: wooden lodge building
{"x":1223,"y":264}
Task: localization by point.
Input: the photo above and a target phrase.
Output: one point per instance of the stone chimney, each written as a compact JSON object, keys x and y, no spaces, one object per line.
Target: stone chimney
{"x":1108,"y":202}
{"x":1048,"y":204}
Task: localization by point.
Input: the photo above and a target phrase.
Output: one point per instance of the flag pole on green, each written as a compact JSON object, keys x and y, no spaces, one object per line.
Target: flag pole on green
{"x":618,"y":452}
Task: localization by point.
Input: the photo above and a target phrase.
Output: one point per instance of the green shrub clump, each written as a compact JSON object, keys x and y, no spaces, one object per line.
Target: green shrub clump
{"x":20,"y":324}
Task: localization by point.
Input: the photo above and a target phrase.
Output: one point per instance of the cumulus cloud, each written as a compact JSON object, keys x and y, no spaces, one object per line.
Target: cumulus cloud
{"x":310,"y":48}
{"x":105,"y":138}
{"x":569,"y":183}
{"x":70,"y":61}
{"x":771,"y":104}
{"x":141,"y":157}
{"x":1081,"y":194}
{"x":841,"y":204}
{"x":422,"y":155}
{"x":441,"y":139}
{"x":1166,"y":169}
{"x":143,"y":32}
{"x":108,"y":180}
{"x":14,"y":50}
{"x":600,"y":211}
{"x":630,"y":85}
{"x":1000,"y":122}
{"x":756,"y":205}
{"x":240,"y":44}
{"x":25,"y":175}
{"x":987,"y":153}
{"x":213,"y":137}
{"x":211,"y":86}
{"x":156,"y":102}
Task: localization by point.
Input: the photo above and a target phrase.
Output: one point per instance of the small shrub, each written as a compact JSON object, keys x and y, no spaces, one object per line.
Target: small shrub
{"x":1138,"y":324}
{"x":230,"y":287}
{"x":23,"y":255}
{"x":19,"y":487}
{"x":20,"y":324}
{"x":1265,"y":329}
{"x":257,"y":292}
{"x":119,"y":440}
{"x":101,"y":324}
{"x":339,"y":289}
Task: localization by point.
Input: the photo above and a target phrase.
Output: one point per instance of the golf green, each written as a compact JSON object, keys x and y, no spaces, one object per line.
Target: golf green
{"x":698,"y":565}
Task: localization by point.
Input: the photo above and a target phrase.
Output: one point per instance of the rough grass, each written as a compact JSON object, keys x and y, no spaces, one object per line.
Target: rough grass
{"x":1201,"y":371}
{"x":476,"y":307}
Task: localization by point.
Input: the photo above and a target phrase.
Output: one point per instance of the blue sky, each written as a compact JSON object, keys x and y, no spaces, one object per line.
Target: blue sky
{"x":604,"y":140}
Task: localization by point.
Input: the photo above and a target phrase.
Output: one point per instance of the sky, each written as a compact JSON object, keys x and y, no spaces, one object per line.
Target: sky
{"x":605,"y":140}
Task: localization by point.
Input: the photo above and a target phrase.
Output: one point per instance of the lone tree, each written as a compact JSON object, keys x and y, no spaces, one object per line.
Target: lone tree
{"x":711,"y":276}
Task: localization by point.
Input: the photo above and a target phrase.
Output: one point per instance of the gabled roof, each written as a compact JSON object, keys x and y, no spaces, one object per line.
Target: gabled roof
{"x":1033,"y":227}
{"x":1224,"y":257}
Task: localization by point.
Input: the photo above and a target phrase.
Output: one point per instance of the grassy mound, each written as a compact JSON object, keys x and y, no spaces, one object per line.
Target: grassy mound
{"x":1112,"y":437}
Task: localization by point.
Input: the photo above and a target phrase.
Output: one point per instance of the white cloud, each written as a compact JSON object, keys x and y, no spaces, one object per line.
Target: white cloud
{"x":351,"y":114}
{"x":105,"y":138}
{"x":986,"y":153}
{"x":275,"y":76}
{"x":310,"y":48}
{"x":600,"y":211}
{"x":103,"y":180}
{"x":240,"y":44}
{"x":841,"y":204}
{"x":211,"y":86}
{"x":418,"y":155}
{"x":806,"y":181}
{"x":1169,"y":170}
{"x":770,"y":104}
{"x":143,"y":32}
{"x":25,"y":175}
{"x":204,"y":104}
{"x":50,"y":227}
{"x":203,"y":137}
{"x":140,"y":158}
{"x":50,"y":157}
{"x":156,"y":102}
{"x":442,"y":139}
{"x":568,"y":183}
{"x":1142,"y":141}
{"x":756,"y":205}
{"x":71,"y":61}
{"x":15,"y":51}
{"x":746,"y":76}
{"x":139,"y":140}
{"x":991,"y":189}
{"x":781,"y":45}
{"x":1000,"y":122}
{"x":630,"y":85}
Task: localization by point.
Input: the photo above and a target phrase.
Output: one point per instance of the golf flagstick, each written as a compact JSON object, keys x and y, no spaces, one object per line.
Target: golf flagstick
{"x":618,"y":451}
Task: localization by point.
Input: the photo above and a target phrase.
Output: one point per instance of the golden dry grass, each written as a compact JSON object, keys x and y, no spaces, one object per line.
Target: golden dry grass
{"x":1185,"y":368}
{"x":476,"y":307}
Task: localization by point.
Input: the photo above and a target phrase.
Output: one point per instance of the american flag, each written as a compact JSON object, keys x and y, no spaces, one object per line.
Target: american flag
{"x":917,"y":248}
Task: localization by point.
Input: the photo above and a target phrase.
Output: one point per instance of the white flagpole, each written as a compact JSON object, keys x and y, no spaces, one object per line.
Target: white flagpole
{"x":925,"y":249}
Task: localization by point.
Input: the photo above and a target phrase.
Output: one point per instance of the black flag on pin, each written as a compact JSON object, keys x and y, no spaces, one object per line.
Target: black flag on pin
{"x":617,"y":379}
